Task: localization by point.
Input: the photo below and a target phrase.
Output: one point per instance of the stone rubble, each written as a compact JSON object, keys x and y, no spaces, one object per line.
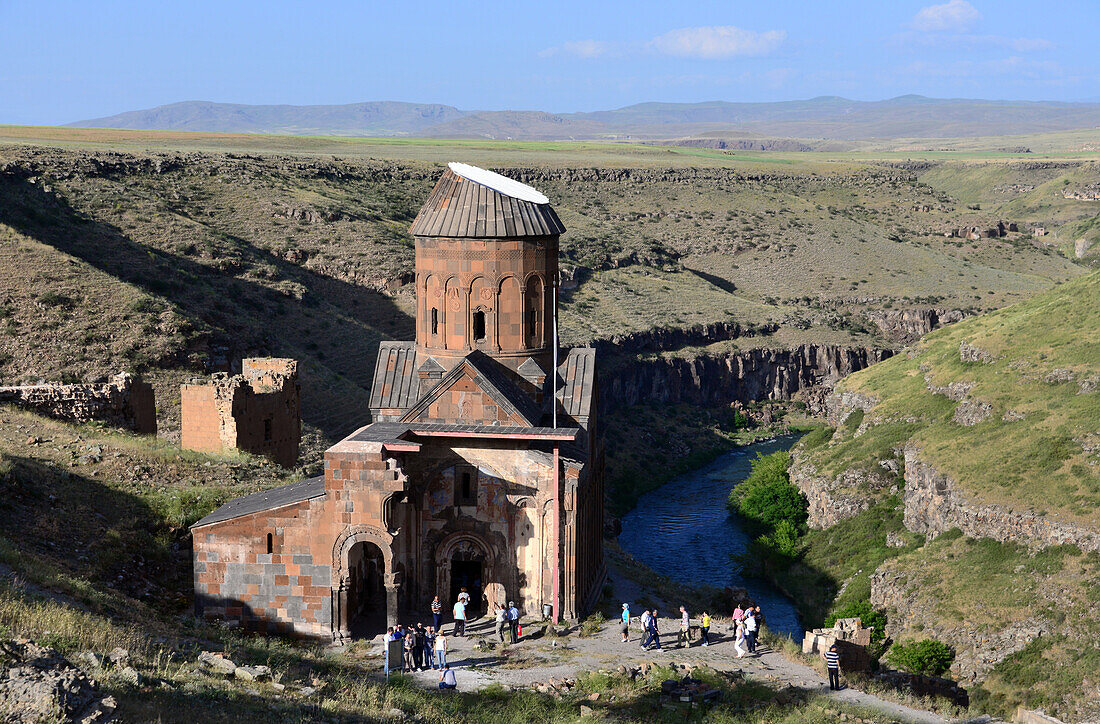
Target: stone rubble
{"x":38,"y":684}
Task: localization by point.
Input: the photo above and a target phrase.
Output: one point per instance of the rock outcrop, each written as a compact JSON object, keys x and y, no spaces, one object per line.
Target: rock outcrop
{"x":748,"y":376}
{"x":934,"y":504}
{"x":832,"y":500}
{"x":37,"y":684}
{"x":906,"y":326}
{"x":977,"y":649}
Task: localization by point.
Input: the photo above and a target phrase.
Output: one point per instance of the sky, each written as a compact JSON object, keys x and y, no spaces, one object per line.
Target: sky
{"x":67,"y":61}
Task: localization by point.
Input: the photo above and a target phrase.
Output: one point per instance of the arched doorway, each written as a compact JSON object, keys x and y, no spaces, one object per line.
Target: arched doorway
{"x":366,"y":590}
{"x":468,"y":571}
{"x":462,"y":560}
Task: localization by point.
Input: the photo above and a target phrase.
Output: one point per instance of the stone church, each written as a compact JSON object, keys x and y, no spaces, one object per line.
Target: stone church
{"x":482,"y":466}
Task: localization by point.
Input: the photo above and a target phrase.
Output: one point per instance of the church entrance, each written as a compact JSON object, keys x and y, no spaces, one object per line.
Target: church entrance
{"x":366,"y":591}
{"x":467,"y":571}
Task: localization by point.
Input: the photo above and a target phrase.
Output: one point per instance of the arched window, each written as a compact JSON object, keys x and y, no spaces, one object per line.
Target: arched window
{"x":479,"y":326}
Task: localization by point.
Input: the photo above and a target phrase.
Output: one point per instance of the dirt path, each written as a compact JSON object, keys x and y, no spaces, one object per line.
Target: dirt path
{"x":536,"y":660}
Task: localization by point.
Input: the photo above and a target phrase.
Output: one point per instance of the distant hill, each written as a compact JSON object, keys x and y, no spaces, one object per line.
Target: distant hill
{"x":826,"y":117}
{"x":385,"y":118}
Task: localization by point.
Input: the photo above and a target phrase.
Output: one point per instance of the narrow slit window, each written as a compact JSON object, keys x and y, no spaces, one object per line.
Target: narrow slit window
{"x":466,"y":486}
{"x":267,"y":430}
{"x":435,"y":321}
{"x":531,"y":319}
{"x":270,"y":543}
{"x":479,"y":326}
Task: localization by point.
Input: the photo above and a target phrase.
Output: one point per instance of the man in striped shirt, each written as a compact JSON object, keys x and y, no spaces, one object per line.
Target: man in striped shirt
{"x":832,"y":663}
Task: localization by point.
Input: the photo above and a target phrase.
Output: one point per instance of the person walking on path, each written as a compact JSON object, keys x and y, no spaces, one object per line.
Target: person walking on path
{"x":460,"y":618}
{"x":513,"y":622}
{"x":684,"y":638}
{"x":750,"y":631}
{"x":738,"y":614}
{"x":655,"y":630}
{"x":739,"y":640}
{"x":437,"y":614}
{"x":832,"y":663}
{"x":440,"y":649}
{"x":646,"y":636}
{"x":447,"y":678}
{"x":625,"y":628}
{"x":501,"y":620}
{"x":704,"y":628}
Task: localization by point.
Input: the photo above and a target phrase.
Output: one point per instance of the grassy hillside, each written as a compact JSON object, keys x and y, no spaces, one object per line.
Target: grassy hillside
{"x":1033,"y":370}
{"x":1037,"y":449}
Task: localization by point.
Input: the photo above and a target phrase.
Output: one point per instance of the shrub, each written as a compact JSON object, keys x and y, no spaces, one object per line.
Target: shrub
{"x":767,"y":496}
{"x":928,"y":657}
{"x":862,"y":610}
{"x":53,"y":299}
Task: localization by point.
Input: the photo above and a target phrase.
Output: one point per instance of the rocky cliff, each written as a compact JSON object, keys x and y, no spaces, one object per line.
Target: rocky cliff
{"x":934,"y":504}
{"x":906,"y":326}
{"x":977,"y":648}
{"x":747,"y":376}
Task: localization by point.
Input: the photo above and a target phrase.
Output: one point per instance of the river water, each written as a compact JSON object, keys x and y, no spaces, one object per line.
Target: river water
{"x":683,"y":530}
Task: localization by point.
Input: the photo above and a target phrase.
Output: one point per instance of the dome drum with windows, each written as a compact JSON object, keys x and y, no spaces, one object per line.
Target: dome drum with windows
{"x":486,"y":256}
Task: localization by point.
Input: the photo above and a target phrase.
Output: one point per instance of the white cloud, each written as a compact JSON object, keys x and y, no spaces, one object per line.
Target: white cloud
{"x":970,"y":41}
{"x":717,"y":41}
{"x":711,"y":43}
{"x":579,"y":49}
{"x":953,"y":16}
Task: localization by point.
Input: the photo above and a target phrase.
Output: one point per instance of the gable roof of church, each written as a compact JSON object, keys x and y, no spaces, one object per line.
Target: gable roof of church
{"x":396,"y":382}
{"x":267,"y":500}
{"x":489,"y":376}
{"x":458,"y":207}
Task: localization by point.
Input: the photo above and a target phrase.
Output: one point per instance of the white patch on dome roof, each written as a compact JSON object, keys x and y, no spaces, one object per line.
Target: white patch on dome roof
{"x":501,"y":184}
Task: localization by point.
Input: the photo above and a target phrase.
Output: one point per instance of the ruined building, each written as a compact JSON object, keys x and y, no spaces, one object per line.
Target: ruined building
{"x":256,"y":411}
{"x":481,"y":468}
{"x":125,"y":401}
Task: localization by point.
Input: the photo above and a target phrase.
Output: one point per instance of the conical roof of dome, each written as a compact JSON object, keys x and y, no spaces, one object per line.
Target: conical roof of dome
{"x":470,"y":202}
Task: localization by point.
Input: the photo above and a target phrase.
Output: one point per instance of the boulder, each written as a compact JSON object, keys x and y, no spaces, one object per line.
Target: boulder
{"x":118,"y":656}
{"x":130,"y":675}
{"x":217,"y":663}
{"x":252,"y":673}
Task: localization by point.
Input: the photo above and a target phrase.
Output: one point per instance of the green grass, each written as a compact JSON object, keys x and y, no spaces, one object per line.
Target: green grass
{"x":1037,"y":463}
{"x":1050,"y":588}
{"x":843,"y":556}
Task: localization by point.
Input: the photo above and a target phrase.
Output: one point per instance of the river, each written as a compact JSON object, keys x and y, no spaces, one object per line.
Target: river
{"x":683,"y":530}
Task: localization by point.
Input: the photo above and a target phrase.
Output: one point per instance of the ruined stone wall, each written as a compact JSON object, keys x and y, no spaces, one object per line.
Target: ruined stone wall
{"x":126,"y":401}
{"x":934,"y":504}
{"x":257,"y":411}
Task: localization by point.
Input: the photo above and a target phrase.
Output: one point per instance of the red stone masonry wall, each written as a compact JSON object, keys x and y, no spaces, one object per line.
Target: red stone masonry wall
{"x":291,"y":590}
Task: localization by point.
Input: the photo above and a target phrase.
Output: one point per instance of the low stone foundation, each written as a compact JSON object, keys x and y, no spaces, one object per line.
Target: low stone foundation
{"x":125,"y":401}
